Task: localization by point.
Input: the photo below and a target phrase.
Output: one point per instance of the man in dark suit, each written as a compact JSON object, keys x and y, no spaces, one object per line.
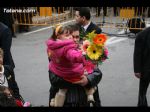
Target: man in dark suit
{"x":5,"y":44}
{"x":82,"y":17}
{"x":8,"y":20}
{"x":142,"y":64}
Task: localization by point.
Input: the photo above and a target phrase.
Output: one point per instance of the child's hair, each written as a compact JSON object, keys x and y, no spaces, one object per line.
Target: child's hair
{"x":3,"y":88}
{"x":6,"y":101}
{"x":1,"y":52}
{"x":59,"y":29}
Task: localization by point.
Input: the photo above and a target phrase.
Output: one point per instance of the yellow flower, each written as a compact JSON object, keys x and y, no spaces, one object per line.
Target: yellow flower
{"x":94,"y":52}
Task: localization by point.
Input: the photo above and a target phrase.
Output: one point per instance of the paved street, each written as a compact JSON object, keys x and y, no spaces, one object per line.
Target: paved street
{"x":118,"y":87}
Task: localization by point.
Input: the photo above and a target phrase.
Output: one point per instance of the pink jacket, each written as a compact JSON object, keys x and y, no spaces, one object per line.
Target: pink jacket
{"x":66,"y":61}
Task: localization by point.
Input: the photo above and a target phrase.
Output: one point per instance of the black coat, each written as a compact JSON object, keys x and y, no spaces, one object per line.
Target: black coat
{"x":6,"y":18}
{"x":90,"y":28}
{"x":76,"y":95}
{"x":142,"y":51}
{"x":8,"y":72}
{"x":5,"y":44}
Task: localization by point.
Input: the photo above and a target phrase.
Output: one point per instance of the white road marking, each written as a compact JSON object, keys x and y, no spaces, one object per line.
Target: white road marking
{"x":108,"y":42}
{"x":121,"y":32}
{"x":115,"y":41}
{"x":45,"y":28}
{"x":147,"y":25}
{"x":37,"y":30}
{"x":111,"y":39}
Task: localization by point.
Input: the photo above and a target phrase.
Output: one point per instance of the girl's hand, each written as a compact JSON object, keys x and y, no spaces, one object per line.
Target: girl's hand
{"x":138,"y":75}
{"x":7,"y":92}
{"x":83,"y":81}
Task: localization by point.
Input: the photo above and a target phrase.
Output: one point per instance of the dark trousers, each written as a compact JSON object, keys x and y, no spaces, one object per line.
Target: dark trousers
{"x":104,"y":11}
{"x":115,"y":11}
{"x":23,"y":28}
{"x":148,"y":11}
{"x":12,"y":30}
{"x":143,"y":86}
{"x":139,"y":11}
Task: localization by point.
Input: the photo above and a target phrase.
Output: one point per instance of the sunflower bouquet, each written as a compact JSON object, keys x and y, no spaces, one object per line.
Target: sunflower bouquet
{"x":94,"y":47}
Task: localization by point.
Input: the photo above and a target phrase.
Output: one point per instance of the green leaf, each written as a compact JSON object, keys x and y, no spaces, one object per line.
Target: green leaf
{"x":91,"y":35}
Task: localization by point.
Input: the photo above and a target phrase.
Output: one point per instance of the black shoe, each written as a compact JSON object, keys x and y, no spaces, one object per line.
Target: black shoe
{"x":20,"y":30}
{"x":26,"y":30}
{"x":14,"y":36}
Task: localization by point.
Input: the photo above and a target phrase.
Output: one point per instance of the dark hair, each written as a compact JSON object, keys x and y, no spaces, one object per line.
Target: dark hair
{"x":6,"y":101}
{"x":74,"y":27}
{"x":84,"y":11}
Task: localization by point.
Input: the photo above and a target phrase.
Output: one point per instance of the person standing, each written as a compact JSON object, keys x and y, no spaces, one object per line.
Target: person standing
{"x":5,"y":44}
{"x":8,"y":20}
{"x":116,"y":11}
{"x":142,"y":64}
{"x":83,"y":19}
{"x":76,"y":96}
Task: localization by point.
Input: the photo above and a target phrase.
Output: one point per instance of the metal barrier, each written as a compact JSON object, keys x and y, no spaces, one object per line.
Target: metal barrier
{"x":118,"y":18}
{"x":127,"y":12}
{"x":106,"y":17}
{"x":40,"y":15}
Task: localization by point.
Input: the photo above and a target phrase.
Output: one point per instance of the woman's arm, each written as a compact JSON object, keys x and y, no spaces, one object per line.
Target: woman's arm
{"x":91,"y":80}
{"x":94,"y":78}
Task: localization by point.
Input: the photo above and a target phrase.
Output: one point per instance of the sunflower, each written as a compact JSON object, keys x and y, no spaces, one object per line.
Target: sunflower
{"x":99,"y":39}
{"x":94,"y":52}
